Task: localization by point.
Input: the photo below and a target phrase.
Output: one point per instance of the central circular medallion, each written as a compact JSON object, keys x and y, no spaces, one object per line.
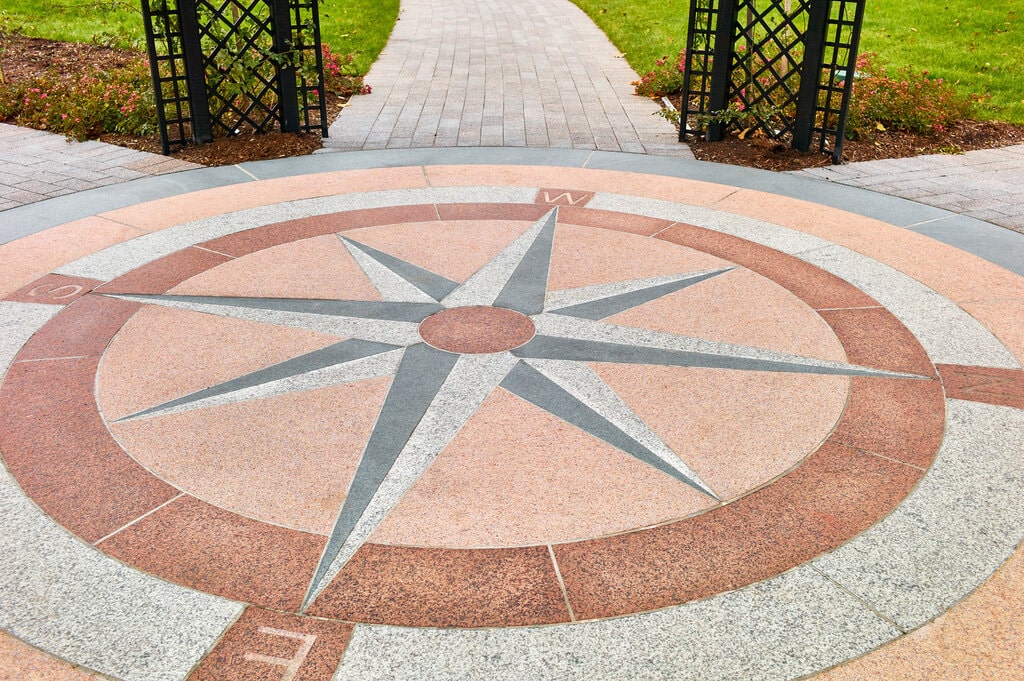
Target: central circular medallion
{"x":477,"y":329}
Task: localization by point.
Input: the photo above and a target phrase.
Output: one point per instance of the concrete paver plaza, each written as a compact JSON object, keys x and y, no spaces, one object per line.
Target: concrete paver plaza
{"x":505,"y":412}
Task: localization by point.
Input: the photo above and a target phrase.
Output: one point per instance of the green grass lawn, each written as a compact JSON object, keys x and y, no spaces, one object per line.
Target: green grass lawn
{"x":360,"y":27}
{"x":979,"y":45}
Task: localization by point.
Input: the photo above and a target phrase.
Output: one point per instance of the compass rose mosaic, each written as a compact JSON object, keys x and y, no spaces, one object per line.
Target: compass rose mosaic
{"x":500,"y":409}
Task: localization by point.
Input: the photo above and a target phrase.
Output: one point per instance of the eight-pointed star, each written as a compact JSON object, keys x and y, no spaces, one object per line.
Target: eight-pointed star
{"x":439,"y":383}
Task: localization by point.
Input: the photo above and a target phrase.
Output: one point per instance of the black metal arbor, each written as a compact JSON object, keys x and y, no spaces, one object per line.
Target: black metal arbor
{"x":784,"y":67}
{"x":221,"y":67}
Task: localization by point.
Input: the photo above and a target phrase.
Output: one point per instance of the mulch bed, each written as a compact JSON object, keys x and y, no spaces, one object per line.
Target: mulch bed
{"x":769,"y":154}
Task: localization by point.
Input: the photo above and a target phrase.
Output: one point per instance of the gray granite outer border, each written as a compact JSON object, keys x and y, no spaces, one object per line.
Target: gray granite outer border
{"x":964,"y":519}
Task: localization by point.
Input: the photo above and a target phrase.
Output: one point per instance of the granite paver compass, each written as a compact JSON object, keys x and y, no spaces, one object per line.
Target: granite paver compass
{"x":412,"y":422}
{"x":449,"y":345}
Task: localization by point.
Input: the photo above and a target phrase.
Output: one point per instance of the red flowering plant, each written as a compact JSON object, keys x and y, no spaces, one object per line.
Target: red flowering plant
{"x":96,"y":102}
{"x":340,"y":74}
{"x":665,"y":79}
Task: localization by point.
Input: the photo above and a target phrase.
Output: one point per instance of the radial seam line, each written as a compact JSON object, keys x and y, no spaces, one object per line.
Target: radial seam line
{"x":561,"y":583}
{"x":141,"y":517}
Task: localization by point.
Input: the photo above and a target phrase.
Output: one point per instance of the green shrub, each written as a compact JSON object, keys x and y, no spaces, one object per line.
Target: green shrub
{"x":906,"y":100}
{"x":120,"y":101}
{"x":341,"y":75}
{"x":665,"y":79}
{"x":88,"y":106}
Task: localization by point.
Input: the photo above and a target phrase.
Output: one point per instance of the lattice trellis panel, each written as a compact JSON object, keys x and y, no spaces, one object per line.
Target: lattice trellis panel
{"x":765,"y":75}
{"x":746,"y":66}
{"x":836,"y":74}
{"x":167,"y":67}
{"x":226,"y":67}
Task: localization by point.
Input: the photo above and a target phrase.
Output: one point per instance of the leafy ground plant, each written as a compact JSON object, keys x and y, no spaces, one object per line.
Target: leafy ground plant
{"x":118,"y":100}
{"x":904,"y":99}
{"x":666,"y":78}
{"x":87,"y":106}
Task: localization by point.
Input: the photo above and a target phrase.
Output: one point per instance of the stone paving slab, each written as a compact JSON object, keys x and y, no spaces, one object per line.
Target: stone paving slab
{"x":37,"y":165}
{"x":987,"y":184}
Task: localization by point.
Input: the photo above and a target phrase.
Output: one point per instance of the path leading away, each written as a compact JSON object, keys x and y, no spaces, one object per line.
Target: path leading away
{"x":37,"y":165}
{"x":511,"y":73}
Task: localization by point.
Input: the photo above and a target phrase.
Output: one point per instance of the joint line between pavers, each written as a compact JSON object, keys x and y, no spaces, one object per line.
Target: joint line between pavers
{"x":889,"y":458}
{"x":867,"y":604}
{"x":928,"y":222}
{"x":862,"y":307}
{"x":216,"y":643}
{"x":141,"y":517}
{"x":662,"y":231}
{"x":561,"y":583}
{"x":801,"y":254}
{"x":240,"y":168}
{"x":734,"y":192}
{"x":880,"y":456}
{"x":210,"y":250}
{"x":106,"y":216}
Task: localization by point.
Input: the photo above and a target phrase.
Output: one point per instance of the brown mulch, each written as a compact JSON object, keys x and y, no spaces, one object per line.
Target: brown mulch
{"x":760,"y":152}
{"x":29,"y":57}
{"x":225,"y":151}
{"x":769,"y":154}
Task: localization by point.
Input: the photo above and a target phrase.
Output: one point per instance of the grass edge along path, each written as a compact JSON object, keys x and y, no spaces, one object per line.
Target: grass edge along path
{"x":359,"y":27}
{"x":974,"y":44}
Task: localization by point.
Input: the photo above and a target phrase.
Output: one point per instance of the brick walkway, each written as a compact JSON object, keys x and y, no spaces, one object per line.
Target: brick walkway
{"x":36,"y":165}
{"x":987,"y":184}
{"x":510,"y":73}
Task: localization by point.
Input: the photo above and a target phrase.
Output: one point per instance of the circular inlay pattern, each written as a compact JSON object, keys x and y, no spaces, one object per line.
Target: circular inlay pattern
{"x":477,"y":415}
{"x":477,"y":329}
{"x":368,"y":443}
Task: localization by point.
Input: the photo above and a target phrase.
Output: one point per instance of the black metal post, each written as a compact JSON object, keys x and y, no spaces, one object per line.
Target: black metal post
{"x":154,"y":72}
{"x":322,"y":94}
{"x":721,"y":70}
{"x":851,"y":74}
{"x":199,"y":105}
{"x":288,"y":96}
{"x":810,"y":73}
{"x":684,"y":109}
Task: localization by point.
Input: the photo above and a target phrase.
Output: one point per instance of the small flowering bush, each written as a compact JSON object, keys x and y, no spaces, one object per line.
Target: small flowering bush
{"x":340,"y":75}
{"x":97,"y":102}
{"x":665,"y":79}
{"x":905,"y":100}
